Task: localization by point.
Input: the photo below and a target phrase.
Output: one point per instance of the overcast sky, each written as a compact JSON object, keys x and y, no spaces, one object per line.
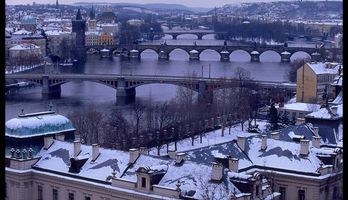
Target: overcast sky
{"x":191,"y":3}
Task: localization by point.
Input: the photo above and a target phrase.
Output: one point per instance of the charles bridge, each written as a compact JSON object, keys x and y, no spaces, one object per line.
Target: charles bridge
{"x":194,"y":51}
{"x":126,"y":84}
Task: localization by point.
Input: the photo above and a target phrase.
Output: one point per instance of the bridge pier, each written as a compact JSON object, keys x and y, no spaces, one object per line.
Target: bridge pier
{"x":204,"y":95}
{"x":224,"y":56}
{"x":255,"y":56}
{"x":174,"y":37}
{"x":162,"y":55}
{"x":124,"y":95}
{"x":194,"y":55}
{"x":200,"y":37}
{"x":134,"y":54}
{"x":50,"y":91}
{"x":285,"y":56}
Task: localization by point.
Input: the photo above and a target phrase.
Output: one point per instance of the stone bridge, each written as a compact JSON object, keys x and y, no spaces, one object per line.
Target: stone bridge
{"x":126,"y":84}
{"x":194,"y":51}
{"x":198,"y":33}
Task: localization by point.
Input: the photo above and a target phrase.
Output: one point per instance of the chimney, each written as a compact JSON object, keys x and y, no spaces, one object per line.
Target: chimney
{"x":241,"y":142}
{"x":95,"y":152}
{"x":179,"y":157}
{"x":143,"y":150}
{"x":316,"y":141}
{"x":133,"y":155}
{"x":77,"y":148}
{"x":334,"y":110}
{"x":216,"y":172}
{"x":300,"y":121}
{"x":275,"y":135}
{"x":233,"y":164}
{"x":60,"y":137}
{"x":263,"y":142}
{"x":304,"y":147}
{"x":171,"y":154}
{"x":316,"y":131}
{"x":48,"y":141}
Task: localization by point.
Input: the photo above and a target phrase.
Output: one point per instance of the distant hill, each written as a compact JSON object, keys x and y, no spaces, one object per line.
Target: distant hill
{"x":286,"y":9}
{"x":150,"y":6}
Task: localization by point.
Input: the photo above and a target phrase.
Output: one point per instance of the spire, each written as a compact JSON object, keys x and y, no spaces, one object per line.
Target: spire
{"x":57,"y":4}
{"x":92,"y":13}
{"x":78,"y":15}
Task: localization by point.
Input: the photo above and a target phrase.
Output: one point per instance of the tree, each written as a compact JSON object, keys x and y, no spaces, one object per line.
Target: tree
{"x":273,"y":117}
{"x":138,"y":112}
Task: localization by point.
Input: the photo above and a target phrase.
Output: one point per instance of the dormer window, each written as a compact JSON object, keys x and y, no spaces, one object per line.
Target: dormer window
{"x":143,"y":182}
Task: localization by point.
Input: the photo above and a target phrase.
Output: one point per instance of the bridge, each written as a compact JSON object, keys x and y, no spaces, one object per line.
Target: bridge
{"x":125,"y":84}
{"x":194,"y":51}
{"x":198,"y":33}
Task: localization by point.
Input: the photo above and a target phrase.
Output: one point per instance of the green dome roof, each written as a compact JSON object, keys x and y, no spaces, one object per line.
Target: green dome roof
{"x":37,"y":124}
{"x":28,"y":20}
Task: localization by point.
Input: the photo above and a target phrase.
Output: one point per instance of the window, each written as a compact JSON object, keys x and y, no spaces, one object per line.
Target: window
{"x":71,"y":196}
{"x":143,"y":182}
{"x":334,"y":193}
{"x":282,"y":191}
{"x":55,"y":194}
{"x":39,"y":192}
{"x":87,"y":198}
{"x":257,"y":190}
{"x":301,"y":194}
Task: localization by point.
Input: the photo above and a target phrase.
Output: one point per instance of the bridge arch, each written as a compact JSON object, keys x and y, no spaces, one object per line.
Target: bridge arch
{"x":300,"y":55}
{"x":151,"y":53}
{"x":180,"y":54}
{"x":209,"y":36}
{"x":211,"y":52}
{"x":240,"y":55}
{"x":270,"y":56}
{"x":109,"y":83}
{"x":190,"y":35}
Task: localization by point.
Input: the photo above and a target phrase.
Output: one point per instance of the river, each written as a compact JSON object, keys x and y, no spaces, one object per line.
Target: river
{"x":88,"y":95}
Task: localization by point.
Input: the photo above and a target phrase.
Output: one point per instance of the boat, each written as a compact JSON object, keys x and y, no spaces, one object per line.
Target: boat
{"x":67,"y":63}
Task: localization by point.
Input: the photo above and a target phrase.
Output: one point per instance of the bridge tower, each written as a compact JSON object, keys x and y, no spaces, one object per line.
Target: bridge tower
{"x":79,"y":28}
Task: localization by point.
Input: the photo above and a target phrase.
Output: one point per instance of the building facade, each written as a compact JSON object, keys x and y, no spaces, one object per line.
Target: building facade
{"x":314,"y":82}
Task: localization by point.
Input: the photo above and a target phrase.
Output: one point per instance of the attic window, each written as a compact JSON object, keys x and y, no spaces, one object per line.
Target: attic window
{"x":143,"y":182}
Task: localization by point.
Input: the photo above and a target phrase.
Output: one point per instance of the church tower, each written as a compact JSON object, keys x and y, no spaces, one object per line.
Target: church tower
{"x":92,"y":23}
{"x":57,"y":4}
{"x":79,"y":28}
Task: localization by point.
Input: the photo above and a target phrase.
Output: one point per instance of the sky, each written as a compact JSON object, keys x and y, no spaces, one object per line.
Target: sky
{"x":190,"y":3}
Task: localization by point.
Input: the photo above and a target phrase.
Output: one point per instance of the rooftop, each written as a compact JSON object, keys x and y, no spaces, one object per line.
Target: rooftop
{"x":37,"y":124}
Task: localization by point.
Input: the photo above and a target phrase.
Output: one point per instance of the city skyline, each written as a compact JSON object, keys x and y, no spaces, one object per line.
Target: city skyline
{"x":192,"y":3}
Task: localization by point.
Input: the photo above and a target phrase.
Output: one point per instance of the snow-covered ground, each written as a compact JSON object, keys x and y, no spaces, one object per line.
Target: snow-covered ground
{"x":20,"y":68}
{"x":210,"y":138}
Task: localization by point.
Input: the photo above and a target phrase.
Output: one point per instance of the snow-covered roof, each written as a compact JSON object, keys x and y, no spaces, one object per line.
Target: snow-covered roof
{"x":193,"y":51}
{"x":105,"y":50}
{"x":281,"y":155}
{"x":286,"y":53}
{"x":325,"y":113}
{"x":36,"y":124}
{"x":208,"y":154}
{"x":22,"y":32}
{"x":57,"y":158}
{"x":324,"y":68}
{"x":307,"y":107}
{"x":197,"y":177}
{"x":338,"y":100}
{"x":337,"y":80}
{"x":254,"y":52}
